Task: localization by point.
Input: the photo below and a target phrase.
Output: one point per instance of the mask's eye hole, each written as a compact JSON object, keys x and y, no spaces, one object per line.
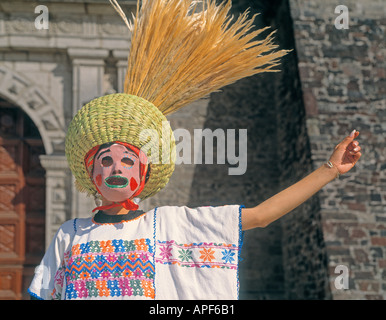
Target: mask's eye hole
{"x":107,"y":161}
{"x":127,"y":162}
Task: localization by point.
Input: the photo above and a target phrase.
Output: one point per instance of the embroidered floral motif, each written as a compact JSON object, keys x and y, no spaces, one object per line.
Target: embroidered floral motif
{"x":185,"y":255}
{"x":201,"y":255}
{"x":166,"y":251}
{"x":228,"y":256}
{"x":109,"y":268}
{"x":207,"y":255}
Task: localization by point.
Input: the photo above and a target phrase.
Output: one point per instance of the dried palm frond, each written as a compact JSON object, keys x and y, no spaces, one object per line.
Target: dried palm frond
{"x":182,"y":50}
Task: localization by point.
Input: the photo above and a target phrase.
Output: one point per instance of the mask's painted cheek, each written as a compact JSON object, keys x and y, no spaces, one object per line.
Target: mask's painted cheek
{"x":133,"y":184}
{"x":98,"y":180}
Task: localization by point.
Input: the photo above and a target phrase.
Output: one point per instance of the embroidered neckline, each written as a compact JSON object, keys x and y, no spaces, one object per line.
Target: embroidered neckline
{"x":102,"y":218}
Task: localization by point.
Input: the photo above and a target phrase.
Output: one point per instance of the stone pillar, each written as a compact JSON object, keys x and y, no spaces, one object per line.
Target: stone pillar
{"x":87,"y":75}
{"x":121,"y":56}
{"x":58,"y":200}
{"x":88,"y":83}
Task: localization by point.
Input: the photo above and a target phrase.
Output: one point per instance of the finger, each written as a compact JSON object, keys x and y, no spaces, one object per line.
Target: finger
{"x":346,"y":141}
{"x":355,"y":150}
{"x":352,"y":134}
{"x":352,"y":145}
{"x":357,"y":156}
{"x":349,"y":139}
{"x":351,"y":159}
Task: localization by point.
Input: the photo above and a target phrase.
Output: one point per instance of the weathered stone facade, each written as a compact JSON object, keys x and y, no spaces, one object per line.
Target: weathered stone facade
{"x":332,"y":82}
{"x":343,"y":76}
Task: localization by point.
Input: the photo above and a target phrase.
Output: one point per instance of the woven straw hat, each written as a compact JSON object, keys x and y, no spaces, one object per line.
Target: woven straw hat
{"x":126,"y":118}
{"x":180,"y":52}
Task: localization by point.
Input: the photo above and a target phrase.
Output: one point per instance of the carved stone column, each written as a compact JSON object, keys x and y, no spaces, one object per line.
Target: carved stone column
{"x":87,"y":75}
{"x":58,"y":199}
{"x":121,"y":56}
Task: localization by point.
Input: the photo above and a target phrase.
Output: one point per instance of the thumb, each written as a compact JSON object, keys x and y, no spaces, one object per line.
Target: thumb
{"x":346,"y":141}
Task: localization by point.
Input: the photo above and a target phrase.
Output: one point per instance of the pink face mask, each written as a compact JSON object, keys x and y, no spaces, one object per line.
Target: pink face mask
{"x":116,"y":173}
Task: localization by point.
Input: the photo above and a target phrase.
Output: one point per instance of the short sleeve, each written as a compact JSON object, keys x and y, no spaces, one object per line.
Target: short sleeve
{"x":49,"y":280}
{"x":197,"y":252}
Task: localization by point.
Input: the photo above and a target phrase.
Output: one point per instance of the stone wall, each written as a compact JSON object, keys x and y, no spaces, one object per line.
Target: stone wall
{"x":304,"y":253}
{"x":264,"y":105}
{"x":343,"y":75}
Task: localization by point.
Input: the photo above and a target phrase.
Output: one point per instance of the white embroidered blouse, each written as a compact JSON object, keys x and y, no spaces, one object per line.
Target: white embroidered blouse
{"x":166,"y":253}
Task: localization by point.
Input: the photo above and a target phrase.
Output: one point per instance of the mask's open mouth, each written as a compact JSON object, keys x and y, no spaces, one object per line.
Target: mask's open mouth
{"x":116,"y":182}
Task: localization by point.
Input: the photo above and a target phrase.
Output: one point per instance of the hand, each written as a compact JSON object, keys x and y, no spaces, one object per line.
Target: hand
{"x":346,"y":153}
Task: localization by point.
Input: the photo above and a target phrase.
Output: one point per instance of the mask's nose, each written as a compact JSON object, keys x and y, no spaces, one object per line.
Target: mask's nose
{"x":117,"y":168}
{"x":116,"y":171}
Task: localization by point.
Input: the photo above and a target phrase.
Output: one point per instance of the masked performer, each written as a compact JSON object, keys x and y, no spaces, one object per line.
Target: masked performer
{"x":120,"y":149}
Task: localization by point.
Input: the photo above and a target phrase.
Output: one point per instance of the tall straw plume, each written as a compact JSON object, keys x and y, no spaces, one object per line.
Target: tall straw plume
{"x":182,"y":50}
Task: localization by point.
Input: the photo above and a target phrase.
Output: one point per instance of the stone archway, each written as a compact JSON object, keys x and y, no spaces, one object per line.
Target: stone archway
{"x":25,"y":206}
{"x":42,"y":110}
{"x":50,"y":122}
{"x":22,"y":201}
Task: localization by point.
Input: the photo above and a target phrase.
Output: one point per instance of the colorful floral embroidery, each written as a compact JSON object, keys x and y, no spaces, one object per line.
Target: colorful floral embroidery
{"x":165,"y":251}
{"x":110,"y":268}
{"x":185,"y":255}
{"x":207,"y":255}
{"x":210,"y":255}
{"x":228,"y":256}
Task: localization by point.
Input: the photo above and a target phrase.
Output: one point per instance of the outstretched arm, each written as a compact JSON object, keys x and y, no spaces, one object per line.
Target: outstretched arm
{"x":344,"y":158}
